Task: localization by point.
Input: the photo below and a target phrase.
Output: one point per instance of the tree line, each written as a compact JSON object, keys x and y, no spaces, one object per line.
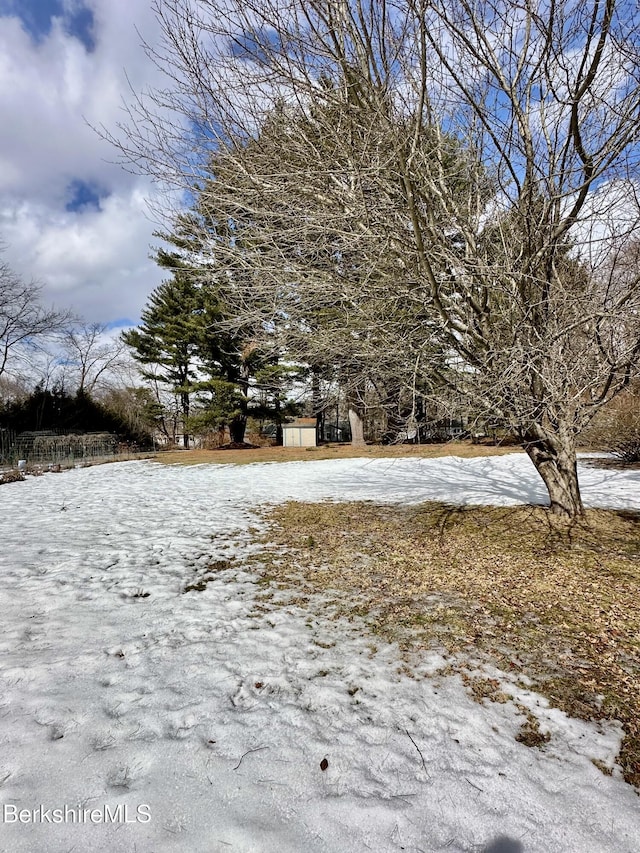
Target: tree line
{"x":59,"y":373}
{"x":423,"y":198}
{"x":430,"y":204}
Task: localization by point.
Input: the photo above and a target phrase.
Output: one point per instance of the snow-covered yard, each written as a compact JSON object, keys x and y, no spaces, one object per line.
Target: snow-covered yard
{"x":211,"y":718}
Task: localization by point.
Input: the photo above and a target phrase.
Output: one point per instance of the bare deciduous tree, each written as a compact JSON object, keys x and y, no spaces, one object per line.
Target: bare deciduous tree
{"x":24,"y":322}
{"x":92,"y":359}
{"x":475,"y":162}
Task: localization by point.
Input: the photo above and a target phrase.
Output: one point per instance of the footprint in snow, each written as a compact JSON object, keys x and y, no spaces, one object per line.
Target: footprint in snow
{"x":181,"y":726}
{"x":126,"y":776}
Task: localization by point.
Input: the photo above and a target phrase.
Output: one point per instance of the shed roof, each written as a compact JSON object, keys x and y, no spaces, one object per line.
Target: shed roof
{"x":301,"y":422}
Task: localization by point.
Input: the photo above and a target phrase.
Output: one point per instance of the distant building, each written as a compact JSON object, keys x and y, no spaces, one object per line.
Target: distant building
{"x":299,"y":433}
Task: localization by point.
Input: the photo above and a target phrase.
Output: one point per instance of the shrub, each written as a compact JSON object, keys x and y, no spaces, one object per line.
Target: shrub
{"x":616,"y":428}
{"x":13,"y":476}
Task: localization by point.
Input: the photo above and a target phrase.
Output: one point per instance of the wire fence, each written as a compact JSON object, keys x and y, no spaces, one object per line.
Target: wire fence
{"x":50,"y":448}
{"x":7,"y":446}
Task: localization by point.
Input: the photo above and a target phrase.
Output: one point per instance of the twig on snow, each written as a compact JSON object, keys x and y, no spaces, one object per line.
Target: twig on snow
{"x":255,"y":749}
{"x":424,"y":765}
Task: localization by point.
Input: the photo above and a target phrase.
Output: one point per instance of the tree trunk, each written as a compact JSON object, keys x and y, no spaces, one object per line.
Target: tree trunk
{"x":357,"y":427}
{"x":277,"y":405}
{"x":238,"y":424}
{"x":184,"y":399}
{"x":317,"y":404}
{"x":555,"y":461}
{"x":237,"y":429}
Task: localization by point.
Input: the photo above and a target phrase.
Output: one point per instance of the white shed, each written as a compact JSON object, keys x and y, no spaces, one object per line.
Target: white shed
{"x":299,"y":433}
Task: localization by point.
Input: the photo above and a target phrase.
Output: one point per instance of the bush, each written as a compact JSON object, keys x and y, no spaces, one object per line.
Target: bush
{"x":616,"y":428}
{"x":13,"y":476}
{"x":628,"y":451}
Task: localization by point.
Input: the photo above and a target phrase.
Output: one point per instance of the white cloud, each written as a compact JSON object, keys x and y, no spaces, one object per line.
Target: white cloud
{"x":93,"y":260}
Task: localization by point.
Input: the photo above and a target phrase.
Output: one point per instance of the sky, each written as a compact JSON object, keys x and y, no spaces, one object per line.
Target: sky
{"x":70,"y":217}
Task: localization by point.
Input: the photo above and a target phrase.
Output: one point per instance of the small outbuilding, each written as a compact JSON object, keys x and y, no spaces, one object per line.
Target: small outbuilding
{"x":299,"y":433}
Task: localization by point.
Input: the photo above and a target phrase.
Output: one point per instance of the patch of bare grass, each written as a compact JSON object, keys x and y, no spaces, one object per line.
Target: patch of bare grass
{"x":558,"y":603}
{"x":329,"y":451}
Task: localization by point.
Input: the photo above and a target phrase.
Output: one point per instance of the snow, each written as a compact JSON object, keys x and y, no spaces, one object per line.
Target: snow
{"x":208,"y":713}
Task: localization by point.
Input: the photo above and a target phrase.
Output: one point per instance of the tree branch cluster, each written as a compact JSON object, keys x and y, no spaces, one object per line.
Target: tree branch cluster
{"x":414,"y":191}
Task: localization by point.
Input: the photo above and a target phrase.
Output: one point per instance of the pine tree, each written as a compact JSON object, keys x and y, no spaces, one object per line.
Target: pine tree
{"x":184,"y":345}
{"x":168,"y":342}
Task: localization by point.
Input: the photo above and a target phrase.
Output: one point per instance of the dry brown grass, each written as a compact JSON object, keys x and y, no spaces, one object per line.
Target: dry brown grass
{"x":559,"y":604}
{"x":11,"y":476}
{"x":329,"y":451}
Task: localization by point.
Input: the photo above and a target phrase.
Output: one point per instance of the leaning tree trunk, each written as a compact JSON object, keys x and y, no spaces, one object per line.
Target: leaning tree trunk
{"x":555,"y":461}
{"x":357,"y":426}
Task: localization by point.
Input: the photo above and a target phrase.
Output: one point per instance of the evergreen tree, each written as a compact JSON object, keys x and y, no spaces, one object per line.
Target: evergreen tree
{"x":168,"y":342}
{"x":57,"y":410}
{"x":184,"y":343}
{"x":234,"y":348}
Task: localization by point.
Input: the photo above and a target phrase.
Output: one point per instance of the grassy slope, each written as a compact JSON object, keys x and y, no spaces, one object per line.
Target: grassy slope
{"x":560,"y":605}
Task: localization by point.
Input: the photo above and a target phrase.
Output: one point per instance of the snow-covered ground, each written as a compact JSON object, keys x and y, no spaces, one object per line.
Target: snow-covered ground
{"x":208,"y":715}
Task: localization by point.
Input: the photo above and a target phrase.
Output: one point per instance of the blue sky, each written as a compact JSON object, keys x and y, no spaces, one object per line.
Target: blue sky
{"x":83,"y":196}
{"x":37,"y":17}
{"x":69,"y":216}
